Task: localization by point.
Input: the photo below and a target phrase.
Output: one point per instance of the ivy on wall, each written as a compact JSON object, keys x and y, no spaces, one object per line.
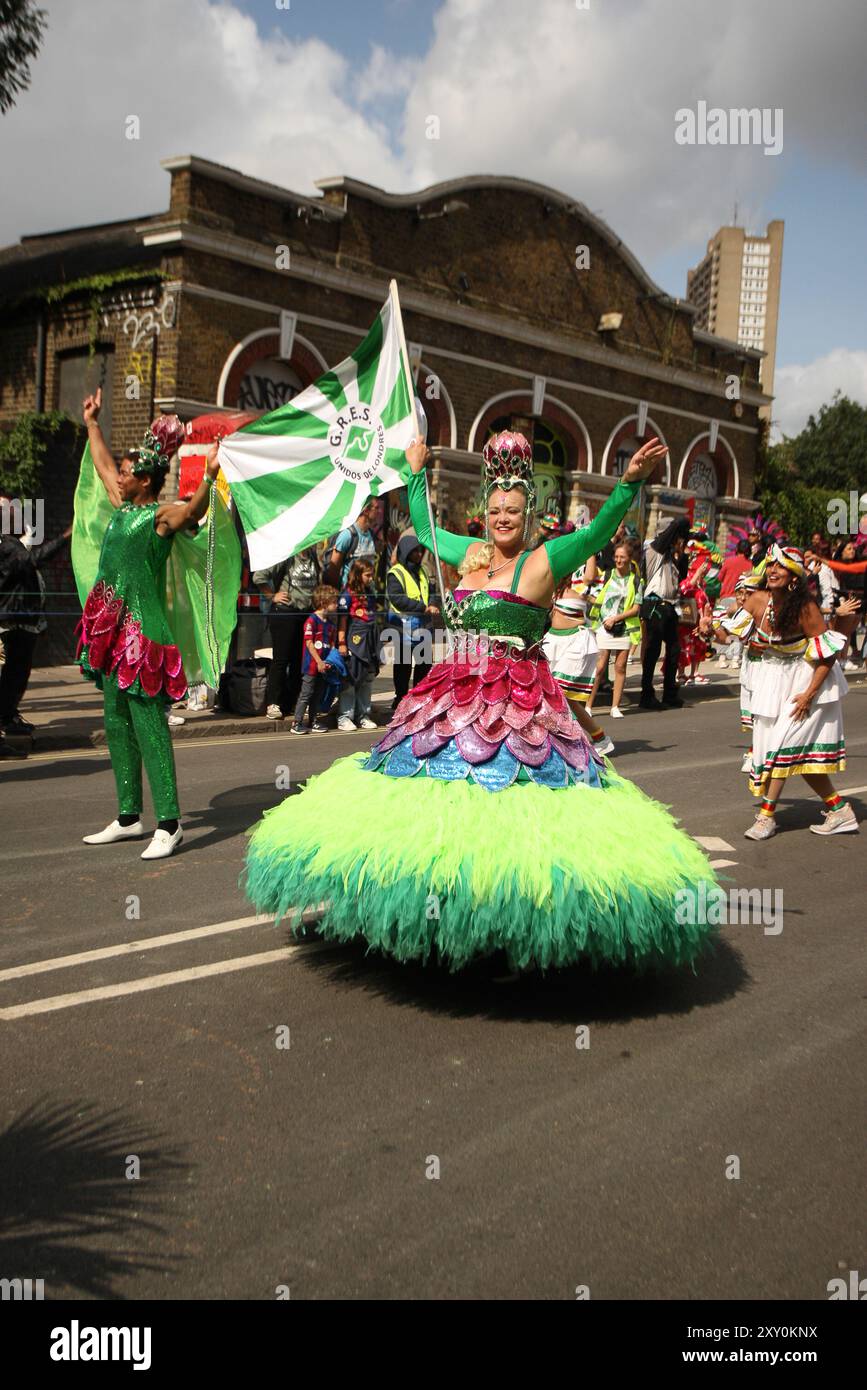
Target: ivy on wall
{"x":24,"y":449}
{"x":94,"y":287}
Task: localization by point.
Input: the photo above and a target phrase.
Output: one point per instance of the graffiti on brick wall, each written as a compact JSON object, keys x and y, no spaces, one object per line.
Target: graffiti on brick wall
{"x":149,"y":323}
{"x":139,"y":368}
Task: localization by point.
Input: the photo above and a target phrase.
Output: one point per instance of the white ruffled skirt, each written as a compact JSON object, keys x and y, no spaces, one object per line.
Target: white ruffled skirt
{"x":782,"y":745}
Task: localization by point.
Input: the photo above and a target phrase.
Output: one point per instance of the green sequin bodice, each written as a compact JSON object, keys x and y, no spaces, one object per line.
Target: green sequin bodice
{"x":132,"y":562}
{"x":501,"y":614}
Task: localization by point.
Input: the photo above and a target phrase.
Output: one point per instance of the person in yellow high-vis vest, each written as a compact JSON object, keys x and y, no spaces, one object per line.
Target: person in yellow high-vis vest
{"x":614,"y":617}
{"x":407,"y":590}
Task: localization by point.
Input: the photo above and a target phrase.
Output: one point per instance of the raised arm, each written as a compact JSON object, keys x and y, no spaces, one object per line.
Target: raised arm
{"x":451,"y":548}
{"x":567,"y":553}
{"x":175,"y":516}
{"x":99,"y":450}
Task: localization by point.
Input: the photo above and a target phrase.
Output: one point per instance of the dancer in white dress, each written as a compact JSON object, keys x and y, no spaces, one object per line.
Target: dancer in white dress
{"x":794,"y":689}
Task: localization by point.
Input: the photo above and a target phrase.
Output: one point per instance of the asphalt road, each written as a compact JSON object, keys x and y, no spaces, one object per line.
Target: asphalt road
{"x":305,"y":1168}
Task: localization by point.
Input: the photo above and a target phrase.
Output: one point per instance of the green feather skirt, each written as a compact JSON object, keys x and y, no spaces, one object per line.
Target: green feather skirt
{"x":426,"y":869}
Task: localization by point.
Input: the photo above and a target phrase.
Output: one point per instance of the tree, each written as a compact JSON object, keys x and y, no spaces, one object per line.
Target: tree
{"x":797,"y":479}
{"x":21,"y":28}
{"x":831,"y":450}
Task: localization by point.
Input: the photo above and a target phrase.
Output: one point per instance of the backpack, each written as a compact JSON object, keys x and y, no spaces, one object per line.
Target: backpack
{"x":333,"y":574}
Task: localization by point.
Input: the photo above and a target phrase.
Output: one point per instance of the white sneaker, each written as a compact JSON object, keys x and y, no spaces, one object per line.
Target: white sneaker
{"x":346,"y":725}
{"x":113,"y":832}
{"x":368,"y":724}
{"x":605,"y":746}
{"x":175,"y":721}
{"x":163,"y":844}
{"x":839,"y":822}
{"x":851,"y":666}
{"x":763,"y":828}
{"x":747,"y":764}
{"x":274,"y":712}
{"x":616,"y":712}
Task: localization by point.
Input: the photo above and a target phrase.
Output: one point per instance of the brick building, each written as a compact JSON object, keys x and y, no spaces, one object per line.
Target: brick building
{"x":520,"y":306}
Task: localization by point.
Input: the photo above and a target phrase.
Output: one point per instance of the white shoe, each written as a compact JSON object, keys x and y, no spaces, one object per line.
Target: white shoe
{"x":113,"y":832}
{"x":763,"y":828}
{"x":616,"y":712}
{"x":163,"y":844}
{"x":839,"y":822}
{"x":851,"y":666}
{"x":175,"y":720}
{"x":274,"y":712}
{"x":368,"y":724}
{"x":605,"y":746}
{"x":346,"y":725}
{"x":588,"y":709}
{"x":747,"y":764}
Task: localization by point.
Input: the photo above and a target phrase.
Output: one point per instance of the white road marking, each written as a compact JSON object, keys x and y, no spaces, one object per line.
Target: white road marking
{"x":148,"y":943}
{"x":722,"y":863}
{"x":852,"y":791}
{"x":711,"y":842}
{"x":173,"y":977}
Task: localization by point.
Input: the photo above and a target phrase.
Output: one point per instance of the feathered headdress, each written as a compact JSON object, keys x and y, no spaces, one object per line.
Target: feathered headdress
{"x":770,"y":531}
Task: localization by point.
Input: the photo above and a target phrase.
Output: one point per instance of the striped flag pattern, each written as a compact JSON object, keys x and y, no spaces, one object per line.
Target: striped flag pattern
{"x":304,"y":471}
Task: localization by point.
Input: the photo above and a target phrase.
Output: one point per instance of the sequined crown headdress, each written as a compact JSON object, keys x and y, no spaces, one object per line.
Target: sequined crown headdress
{"x":508,"y":459}
{"x":161,"y":440}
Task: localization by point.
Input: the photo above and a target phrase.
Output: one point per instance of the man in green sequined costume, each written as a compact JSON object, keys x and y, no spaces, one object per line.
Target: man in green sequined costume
{"x":126,"y":644}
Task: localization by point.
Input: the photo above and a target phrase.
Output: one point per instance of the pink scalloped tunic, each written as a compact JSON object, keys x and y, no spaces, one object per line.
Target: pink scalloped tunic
{"x":492,"y":711}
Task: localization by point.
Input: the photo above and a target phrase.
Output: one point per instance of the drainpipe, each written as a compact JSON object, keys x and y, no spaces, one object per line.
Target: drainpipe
{"x":40,"y":362}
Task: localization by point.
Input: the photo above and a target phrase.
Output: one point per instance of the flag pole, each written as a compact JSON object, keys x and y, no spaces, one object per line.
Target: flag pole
{"x":395,"y":301}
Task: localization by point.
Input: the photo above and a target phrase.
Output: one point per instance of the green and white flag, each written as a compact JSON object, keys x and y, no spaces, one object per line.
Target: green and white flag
{"x":304,"y":471}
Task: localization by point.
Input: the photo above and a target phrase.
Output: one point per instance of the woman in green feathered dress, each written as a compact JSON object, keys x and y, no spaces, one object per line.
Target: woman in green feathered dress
{"x":484,"y":819}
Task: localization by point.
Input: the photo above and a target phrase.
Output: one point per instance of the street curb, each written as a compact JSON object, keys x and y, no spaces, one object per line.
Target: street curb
{"x":211,"y":725}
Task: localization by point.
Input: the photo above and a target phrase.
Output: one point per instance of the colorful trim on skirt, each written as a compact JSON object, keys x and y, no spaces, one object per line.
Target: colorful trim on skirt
{"x":817,"y":758}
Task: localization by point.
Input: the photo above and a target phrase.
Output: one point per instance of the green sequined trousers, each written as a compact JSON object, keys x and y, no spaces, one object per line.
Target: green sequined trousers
{"x":137,"y":731}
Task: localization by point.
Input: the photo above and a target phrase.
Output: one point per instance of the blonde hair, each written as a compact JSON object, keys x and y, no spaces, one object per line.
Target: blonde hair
{"x":477,"y":559}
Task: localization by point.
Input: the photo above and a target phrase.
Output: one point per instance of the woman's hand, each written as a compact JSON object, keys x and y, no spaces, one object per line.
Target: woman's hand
{"x":417,"y":455}
{"x":212,"y":466}
{"x":846,"y":607}
{"x":801,"y":707}
{"x":645,"y":460}
{"x":91,"y":407}
{"x":705,"y":624}
{"x":282,"y":599}
{"x":609,"y":623}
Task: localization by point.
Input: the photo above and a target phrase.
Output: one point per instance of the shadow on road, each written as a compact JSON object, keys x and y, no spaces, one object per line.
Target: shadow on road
{"x":612,"y":994}
{"x":68,"y":1213}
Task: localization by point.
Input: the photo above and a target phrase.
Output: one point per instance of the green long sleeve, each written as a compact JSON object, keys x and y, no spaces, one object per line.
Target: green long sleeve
{"x":451,"y":548}
{"x":568,"y":553}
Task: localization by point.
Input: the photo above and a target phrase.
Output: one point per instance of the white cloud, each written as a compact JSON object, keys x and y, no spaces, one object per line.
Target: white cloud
{"x":801,"y":390}
{"x":581,"y":99}
{"x":202,"y":81}
{"x":585,"y":100}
